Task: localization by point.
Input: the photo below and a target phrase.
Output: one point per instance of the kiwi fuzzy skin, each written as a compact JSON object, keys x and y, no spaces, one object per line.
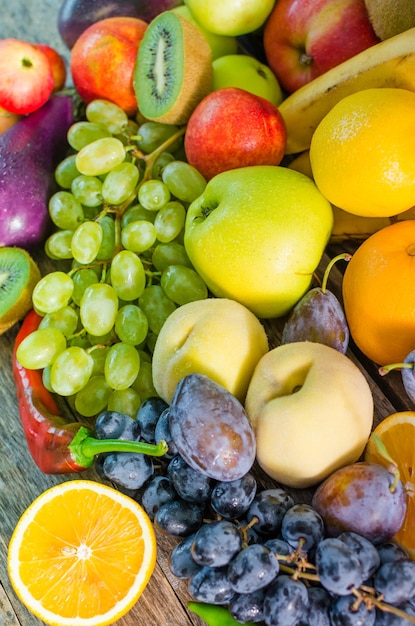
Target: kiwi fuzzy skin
{"x":23,"y":303}
{"x":390,"y":17}
{"x":196,"y":81}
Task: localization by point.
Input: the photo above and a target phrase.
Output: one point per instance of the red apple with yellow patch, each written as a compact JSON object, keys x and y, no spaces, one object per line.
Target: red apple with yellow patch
{"x":305,"y":38}
{"x":232,"y":128}
{"x":57,"y":64}
{"x":103,"y":60}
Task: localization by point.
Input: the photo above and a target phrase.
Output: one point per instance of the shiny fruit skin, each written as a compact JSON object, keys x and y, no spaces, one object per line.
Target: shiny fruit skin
{"x":360,"y":498}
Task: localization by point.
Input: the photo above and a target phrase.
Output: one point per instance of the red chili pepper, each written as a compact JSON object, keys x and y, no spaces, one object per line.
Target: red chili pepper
{"x":56,"y":445}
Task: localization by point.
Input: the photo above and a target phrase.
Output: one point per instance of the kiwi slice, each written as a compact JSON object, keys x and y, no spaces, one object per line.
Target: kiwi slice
{"x":18,"y":276}
{"x":391,"y":17}
{"x":173,"y":71}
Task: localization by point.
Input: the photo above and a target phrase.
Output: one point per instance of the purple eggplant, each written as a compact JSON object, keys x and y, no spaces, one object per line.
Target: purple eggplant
{"x":29,"y":153}
{"x":76,"y":15}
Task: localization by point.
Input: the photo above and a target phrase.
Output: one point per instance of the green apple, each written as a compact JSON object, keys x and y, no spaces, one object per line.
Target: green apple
{"x":246,"y":72}
{"x":216,"y":337}
{"x":220,"y":44}
{"x":256,"y":235}
{"x":230,"y":17}
{"x":312,"y":412}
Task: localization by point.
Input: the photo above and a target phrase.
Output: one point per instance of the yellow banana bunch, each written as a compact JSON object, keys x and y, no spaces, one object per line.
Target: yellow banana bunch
{"x":390,"y":63}
{"x":346,"y":226}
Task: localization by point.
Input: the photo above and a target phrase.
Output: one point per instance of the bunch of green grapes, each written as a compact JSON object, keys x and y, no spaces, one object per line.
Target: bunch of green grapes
{"x":119,"y":217}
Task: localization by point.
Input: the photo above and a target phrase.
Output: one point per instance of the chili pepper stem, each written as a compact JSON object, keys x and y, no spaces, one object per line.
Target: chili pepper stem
{"x":84,"y":447}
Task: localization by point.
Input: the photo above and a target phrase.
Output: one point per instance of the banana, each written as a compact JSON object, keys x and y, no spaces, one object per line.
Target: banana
{"x":390,"y":63}
{"x":346,"y":226}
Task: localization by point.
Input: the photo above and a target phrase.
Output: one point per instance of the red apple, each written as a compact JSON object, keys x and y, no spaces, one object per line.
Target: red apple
{"x":305,"y":38}
{"x":57,"y":64}
{"x":233,"y":128}
{"x":103,"y":60}
{"x":26,"y":79}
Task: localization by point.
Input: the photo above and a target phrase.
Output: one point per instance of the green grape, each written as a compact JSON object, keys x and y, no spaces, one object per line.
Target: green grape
{"x":66,"y":171}
{"x":82,"y":278}
{"x":170,"y":253}
{"x":128,"y":134}
{"x":156,"y":306}
{"x":120,"y":183}
{"x":135,"y":213}
{"x":58,"y":245}
{"x":86,"y":242}
{"x":79,"y":340}
{"x":160,"y":163}
{"x":46,"y":378}
{"x":98,"y":308}
{"x":183,"y":284}
{"x":65,"y":211}
{"x":40,"y":348}
{"x":100,"y":156}
{"x":151,"y":135}
{"x":143,"y":384}
{"x":138,"y":236}
{"x":99,"y":355}
{"x":145,"y":357}
{"x":125,"y":401}
{"x":131,"y":325}
{"x":64,"y":319}
{"x":87,"y":190}
{"x":93,"y":398}
{"x":184,"y":181}
{"x":52,"y":292}
{"x":101,"y":340}
{"x":127,"y":275}
{"x":71,"y":371}
{"x":107,"y":114}
{"x":151,"y":341}
{"x":82,"y":133}
{"x":107,"y":248}
{"x":153,"y":194}
{"x":170,"y":221}
{"x":121,"y":365}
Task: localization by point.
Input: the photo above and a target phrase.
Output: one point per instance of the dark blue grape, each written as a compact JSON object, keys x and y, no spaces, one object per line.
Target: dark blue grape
{"x":181,"y":563}
{"x":211,"y":585}
{"x":302,"y":527}
{"x":232,"y":499}
{"x":158,"y":491}
{"x":190,"y":484}
{"x":285,"y":602}
{"x":129,"y":470}
{"x":338,"y":567}
{"x":366,"y":552}
{"x":114,"y":425}
{"x":317,"y":613}
{"x":396,"y":581}
{"x":391,"y":551}
{"x":386,"y":618}
{"x":162,"y":433}
{"x":216,"y":543}
{"x":281,"y":548}
{"x":248,"y":607}
{"x":269,"y":507}
{"x":252,"y":568}
{"x":148,"y":415}
{"x":347,"y":611}
{"x":179,"y":518}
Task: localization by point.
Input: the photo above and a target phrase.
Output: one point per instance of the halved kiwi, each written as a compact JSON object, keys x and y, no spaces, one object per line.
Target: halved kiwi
{"x":391,"y":17}
{"x":18,"y":276}
{"x":173,"y":71}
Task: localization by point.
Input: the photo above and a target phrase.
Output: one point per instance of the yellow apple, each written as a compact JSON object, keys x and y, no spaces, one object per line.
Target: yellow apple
{"x":312,"y":412}
{"x":217,"y":337}
{"x":230,"y":17}
{"x":256,"y":235}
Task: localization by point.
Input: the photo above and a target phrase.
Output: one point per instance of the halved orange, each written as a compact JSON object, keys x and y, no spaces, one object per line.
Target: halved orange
{"x":397,"y":433}
{"x":81,"y":554}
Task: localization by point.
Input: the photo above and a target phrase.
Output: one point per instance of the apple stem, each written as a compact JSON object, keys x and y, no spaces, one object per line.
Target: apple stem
{"x":345,"y":256}
{"x":394,"y":366}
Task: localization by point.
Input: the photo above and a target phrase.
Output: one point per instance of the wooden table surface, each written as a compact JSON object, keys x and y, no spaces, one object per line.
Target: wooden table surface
{"x":163,"y":603}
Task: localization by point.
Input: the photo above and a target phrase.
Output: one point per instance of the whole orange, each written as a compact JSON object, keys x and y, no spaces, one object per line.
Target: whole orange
{"x":379,"y":294}
{"x":363,"y":152}
{"x":103,"y":59}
